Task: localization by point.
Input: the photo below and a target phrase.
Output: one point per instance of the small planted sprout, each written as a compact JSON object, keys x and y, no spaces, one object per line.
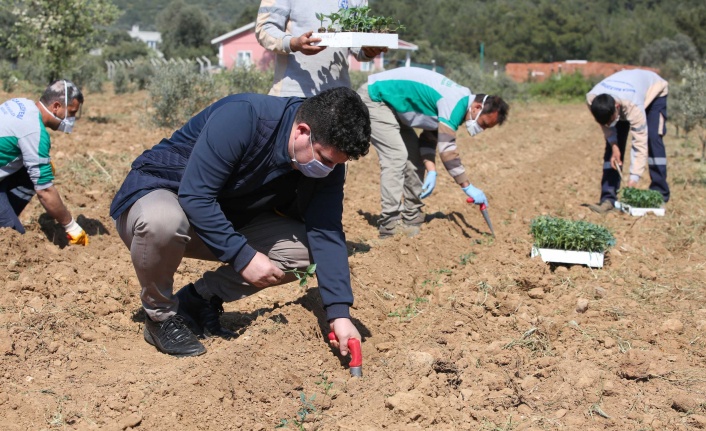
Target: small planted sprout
{"x":303,"y":276}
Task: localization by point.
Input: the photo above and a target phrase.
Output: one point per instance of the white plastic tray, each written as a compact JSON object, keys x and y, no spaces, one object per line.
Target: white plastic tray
{"x":594,"y":260}
{"x":357,"y":40}
{"x":639,"y":212}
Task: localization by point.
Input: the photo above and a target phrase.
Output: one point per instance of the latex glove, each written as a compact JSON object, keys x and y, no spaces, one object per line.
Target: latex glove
{"x":476,"y":194}
{"x":429,"y":184}
{"x":75,"y":233}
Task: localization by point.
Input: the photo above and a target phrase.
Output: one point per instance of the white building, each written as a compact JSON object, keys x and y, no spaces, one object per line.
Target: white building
{"x":151,"y":38}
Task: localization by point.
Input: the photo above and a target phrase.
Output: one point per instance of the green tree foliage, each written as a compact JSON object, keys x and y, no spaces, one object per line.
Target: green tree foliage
{"x":690,"y":102}
{"x":145,"y":13}
{"x":546,"y":30}
{"x":670,"y":55}
{"x":186,"y":31}
{"x":120,"y":46}
{"x":58,"y":29}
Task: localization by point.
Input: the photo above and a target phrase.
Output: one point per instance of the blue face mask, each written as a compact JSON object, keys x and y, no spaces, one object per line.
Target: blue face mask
{"x":314,"y":168}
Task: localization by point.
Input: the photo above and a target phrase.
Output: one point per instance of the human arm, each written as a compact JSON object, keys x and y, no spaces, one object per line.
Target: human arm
{"x":55,"y":208}
{"x":327,"y":244}
{"x":218,"y":148}
{"x":271,"y":31}
{"x":637,"y":118}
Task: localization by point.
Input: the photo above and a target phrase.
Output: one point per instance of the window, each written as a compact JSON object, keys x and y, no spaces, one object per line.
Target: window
{"x":244,"y":59}
{"x":366,"y":66}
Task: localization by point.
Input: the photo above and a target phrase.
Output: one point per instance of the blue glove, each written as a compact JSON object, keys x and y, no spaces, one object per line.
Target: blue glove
{"x":476,"y":194}
{"x":429,"y":184}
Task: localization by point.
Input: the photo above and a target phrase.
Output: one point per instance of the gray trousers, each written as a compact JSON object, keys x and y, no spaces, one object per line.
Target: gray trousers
{"x":401,"y":167}
{"x":159,"y":235}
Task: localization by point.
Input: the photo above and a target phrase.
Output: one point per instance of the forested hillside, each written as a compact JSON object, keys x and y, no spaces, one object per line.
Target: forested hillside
{"x":510,"y":30}
{"x":144,"y":13}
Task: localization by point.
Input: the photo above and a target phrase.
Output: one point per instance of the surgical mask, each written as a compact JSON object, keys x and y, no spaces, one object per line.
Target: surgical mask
{"x":67,"y":124}
{"x":314,"y":168}
{"x":472,"y":125}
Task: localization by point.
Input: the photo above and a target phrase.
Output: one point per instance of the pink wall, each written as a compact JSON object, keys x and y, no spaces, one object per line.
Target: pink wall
{"x":228,"y":53}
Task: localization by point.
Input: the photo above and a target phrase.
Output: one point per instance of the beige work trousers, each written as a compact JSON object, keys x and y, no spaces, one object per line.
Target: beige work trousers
{"x":401,"y":167}
{"x":159,"y":235}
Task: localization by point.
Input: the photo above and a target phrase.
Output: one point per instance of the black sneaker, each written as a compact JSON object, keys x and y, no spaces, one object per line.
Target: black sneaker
{"x":204,"y":314}
{"x":173,"y":337}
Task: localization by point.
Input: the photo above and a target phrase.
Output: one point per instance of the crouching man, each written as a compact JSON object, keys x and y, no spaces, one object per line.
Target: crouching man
{"x":255,"y":182}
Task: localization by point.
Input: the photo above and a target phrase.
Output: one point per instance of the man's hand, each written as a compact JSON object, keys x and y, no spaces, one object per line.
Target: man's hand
{"x":261,"y":272}
{"x":75,"y":233}
{"x":304,"y":45}
{"x":344,"y":329}
{"x":476,"y":194}
{"x":373,"y":51}
{"x":615,"y":158}
{"x":429,"y":184}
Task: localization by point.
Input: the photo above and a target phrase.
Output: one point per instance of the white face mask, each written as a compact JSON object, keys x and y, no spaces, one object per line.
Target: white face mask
{"x":314,"y":168}
{"x":614,"y":121}
{"x":67,"y":124}
{"x":472,"y":125}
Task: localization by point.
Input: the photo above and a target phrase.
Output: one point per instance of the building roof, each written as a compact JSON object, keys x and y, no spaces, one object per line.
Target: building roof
{"x":233,"y":33}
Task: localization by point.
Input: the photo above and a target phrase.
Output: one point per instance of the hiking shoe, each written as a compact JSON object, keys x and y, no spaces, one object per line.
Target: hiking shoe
{"x":397,"y":228}
{"x":203,"y":314}
{"x":173,"y":337}
{"x":603,"y":207}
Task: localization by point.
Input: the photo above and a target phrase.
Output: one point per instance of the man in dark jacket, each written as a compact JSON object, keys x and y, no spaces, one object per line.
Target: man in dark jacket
{"x":255,"y":182}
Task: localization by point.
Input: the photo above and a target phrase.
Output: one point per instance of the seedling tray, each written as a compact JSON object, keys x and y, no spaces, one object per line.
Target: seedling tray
{"x":594,"y":260}
{"x":639,"y":212}
{"x":346,"y":39}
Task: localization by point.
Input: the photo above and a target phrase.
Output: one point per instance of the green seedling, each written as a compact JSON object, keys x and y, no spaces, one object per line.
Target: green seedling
{"x":562,"y":234}
{"x":305,"y":410}
{"x":641,"y":198}
{"x":304,"y":276}
{"x":467,"y":258}
{"x":321,"y":17}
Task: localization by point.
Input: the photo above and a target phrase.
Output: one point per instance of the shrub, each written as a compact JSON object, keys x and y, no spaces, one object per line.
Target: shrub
{"x":89,"y":74}
{"x":358,"y":79}
{"x":7,"y":76}
{"x":34,"y":69}
{"x":641,"y":198}
{"x":142,"y":73}
{"x":562,"y":234}
{"x":178,"y":92}
{"x":121,"y":80}
{"x":563,"y":87}
{"x":246,"y":80}
{"x":470,"y":75}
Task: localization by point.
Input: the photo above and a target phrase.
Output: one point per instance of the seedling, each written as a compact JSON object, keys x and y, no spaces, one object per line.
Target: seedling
{"x":562,"y":234}
{"x":304,"y":276}
{"x":356,"y":19}
{"x":641,"y":198}
{"x":305,"y":410}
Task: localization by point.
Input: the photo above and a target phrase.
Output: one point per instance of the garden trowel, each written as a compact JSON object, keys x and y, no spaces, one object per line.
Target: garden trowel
{"x":356,"y":364}
{"x":484,"y":211}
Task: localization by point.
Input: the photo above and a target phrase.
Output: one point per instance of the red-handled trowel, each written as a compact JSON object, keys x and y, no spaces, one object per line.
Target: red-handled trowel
{"x":356,"y":364}
{"x":484,"y":211}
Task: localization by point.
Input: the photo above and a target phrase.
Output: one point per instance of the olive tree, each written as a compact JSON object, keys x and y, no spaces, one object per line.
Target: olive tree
{"x":690,"y":98}
{"x":58,"y":29}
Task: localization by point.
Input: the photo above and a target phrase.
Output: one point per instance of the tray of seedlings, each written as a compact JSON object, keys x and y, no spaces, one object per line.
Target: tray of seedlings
{"x":559,"y":240}
{"x":354,"y":27}
{"x":638,"y":202}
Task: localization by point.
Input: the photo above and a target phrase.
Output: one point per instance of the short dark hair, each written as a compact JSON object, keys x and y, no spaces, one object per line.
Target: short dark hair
{"x":603,"y":108}
{"x":55,"y":92}
{"x":338,"y":117}
{"x":494,"y":104}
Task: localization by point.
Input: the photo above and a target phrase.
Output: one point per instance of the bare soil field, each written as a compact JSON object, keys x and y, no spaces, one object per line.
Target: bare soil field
{"x":461,"y":331}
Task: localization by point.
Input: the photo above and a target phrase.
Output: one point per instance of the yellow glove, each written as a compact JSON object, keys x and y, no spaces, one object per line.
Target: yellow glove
{"x":75,"y":233}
